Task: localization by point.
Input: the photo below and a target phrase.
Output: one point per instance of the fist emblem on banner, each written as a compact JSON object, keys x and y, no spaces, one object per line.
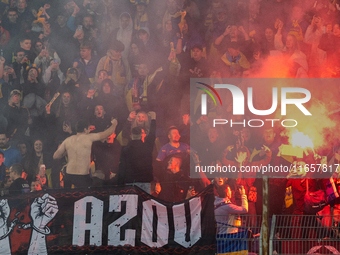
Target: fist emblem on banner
{"x":43,"y":210}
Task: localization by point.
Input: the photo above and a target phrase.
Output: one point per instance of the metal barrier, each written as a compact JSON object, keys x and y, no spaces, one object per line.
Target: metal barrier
{"x":289,"y":234}
{"x":304,"y":234}
{"x":239,"y":234}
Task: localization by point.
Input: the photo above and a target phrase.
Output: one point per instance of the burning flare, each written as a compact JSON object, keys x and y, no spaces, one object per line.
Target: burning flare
{"x":301,"y":140}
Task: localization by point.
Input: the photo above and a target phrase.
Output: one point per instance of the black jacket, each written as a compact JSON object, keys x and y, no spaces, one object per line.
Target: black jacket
{"x":175,"y":186}
{"x":19,"y":186}
{"x":106,"y":157}
{"x":17,"y":118}
{"x":135,"y":163}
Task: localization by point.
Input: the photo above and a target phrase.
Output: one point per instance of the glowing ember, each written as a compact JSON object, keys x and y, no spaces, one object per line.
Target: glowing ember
{"x":301,"y":140}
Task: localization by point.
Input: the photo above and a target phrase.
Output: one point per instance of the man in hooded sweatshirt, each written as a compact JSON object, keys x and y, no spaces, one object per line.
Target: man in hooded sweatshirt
{"x":124,"y":33}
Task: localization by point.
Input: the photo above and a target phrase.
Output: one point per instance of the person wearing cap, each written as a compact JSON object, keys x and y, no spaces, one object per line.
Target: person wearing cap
{"x":235,"y":62}
{"x":141,"y":18}
{"x":87,"y":63}
{"x":113,"y":63}
{"x":197,"y":65}
{"x":18,"y":117}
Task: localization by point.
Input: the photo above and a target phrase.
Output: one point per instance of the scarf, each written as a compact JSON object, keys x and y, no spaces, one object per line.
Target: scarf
{"x":141,"y":21}
{"x":109,"y":65}
{"x":139,"y":89}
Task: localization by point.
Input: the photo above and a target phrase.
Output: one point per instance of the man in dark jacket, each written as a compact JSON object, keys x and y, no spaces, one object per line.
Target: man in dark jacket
{"x":4,"y":171}
{"x":10,"y":23}
{"x":87,"y":63}
{"x":106,"y":154}
{"x":18,"y":117}
{"x":19,"y":185}
{"x":135,"y":166}
{"x":176,"y":185}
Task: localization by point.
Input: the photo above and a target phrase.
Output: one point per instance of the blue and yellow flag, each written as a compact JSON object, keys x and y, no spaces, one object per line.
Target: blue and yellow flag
{"x":232,"y":244}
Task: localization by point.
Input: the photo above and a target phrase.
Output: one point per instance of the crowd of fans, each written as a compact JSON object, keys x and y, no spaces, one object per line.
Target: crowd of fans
{"x":99,"y":60}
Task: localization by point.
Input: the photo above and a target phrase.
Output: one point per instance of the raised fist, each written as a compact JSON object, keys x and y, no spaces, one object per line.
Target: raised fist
{"x":132,"y":115}
{"x":114,"y":122}
{"x":152,"y":115}
{"x":4,"y":212}
{"x":43,"y":210}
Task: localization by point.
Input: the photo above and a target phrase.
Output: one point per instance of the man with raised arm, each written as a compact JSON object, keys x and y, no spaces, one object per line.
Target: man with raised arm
{"x":78,"y":150}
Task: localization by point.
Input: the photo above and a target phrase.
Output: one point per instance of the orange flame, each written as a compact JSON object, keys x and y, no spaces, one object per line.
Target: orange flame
{"x":312,"y":131}
{"x":322,"y":127}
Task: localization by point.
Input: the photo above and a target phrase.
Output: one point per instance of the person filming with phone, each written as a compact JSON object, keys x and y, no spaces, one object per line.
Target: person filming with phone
{"x":227,"y":213}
